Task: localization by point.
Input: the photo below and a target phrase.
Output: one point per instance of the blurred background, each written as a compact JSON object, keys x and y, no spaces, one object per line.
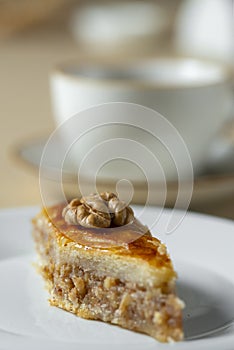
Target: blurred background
{"x":36,"y":35}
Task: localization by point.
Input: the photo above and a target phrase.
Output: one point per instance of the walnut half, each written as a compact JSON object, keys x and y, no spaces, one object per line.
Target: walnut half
{"x":104,"y":210}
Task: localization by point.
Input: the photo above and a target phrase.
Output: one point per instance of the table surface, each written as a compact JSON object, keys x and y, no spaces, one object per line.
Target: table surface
{"x":25,"y":64}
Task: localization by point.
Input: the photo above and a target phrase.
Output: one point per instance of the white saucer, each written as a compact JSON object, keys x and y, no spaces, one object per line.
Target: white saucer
{"x":202,"y":251}
{"x":209,"y":186}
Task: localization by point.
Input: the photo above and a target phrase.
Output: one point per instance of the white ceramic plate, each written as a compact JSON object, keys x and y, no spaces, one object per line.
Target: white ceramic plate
{"x":202,"y":251}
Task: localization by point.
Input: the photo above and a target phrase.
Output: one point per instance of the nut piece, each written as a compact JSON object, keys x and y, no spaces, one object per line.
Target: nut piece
{"x":80,"y":285}
{"x":87,"y":212}
{"x":122,"y":213}
{"x":162,"y":249}
{"x":125,"y":301}
{"x":157,"y":318}
{"x":109,"y":282}
{"x":104,"y":210}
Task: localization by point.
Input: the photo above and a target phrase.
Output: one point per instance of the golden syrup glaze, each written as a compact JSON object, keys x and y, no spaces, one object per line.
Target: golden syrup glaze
{"x":132,"y":240}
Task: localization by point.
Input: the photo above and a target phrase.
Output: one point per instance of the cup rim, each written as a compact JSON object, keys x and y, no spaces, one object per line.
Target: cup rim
{"x":61,"y":69}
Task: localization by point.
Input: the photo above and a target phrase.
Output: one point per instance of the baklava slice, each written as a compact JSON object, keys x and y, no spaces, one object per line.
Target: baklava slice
{"x":99,"y":262}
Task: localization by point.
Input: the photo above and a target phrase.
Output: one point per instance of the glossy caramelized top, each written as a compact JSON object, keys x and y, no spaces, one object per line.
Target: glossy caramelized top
{"x":132,"y":240}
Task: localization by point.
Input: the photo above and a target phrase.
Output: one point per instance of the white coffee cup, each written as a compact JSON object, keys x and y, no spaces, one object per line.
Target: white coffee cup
{"x":194,"y":95}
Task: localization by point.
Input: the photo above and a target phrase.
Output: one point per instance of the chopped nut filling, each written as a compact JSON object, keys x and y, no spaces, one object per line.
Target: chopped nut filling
{"x":104,"y":210}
